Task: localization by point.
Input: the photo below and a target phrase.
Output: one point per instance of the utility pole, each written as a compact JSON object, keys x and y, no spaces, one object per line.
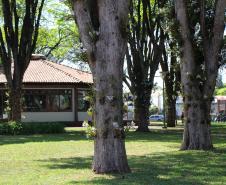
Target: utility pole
{"x":163,"y":98}
{"x":163,"y":74}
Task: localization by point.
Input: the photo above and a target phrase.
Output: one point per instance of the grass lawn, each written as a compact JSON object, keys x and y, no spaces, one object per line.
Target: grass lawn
{"x":153,"y":157}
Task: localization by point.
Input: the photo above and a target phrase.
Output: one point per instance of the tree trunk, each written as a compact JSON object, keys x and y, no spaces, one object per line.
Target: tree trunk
{"x":197,"y":103}
{"x":109,"y":148}
{"x":197,"y":133}
{"x":15,"y":104}
{"x":141,"y":111}
{"x":171,"y":113}
{"x":198,"y":77}
{"x":102,"y":26}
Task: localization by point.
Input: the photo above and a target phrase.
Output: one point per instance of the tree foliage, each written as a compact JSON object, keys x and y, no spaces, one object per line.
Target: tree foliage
{"x":58,"y":36}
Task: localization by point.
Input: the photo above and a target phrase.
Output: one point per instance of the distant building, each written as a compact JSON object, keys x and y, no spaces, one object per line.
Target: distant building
{"x":51,"y":92}
{"x":220,"y":104}
{"x":157,"y":99}
{"x":179,"y":106}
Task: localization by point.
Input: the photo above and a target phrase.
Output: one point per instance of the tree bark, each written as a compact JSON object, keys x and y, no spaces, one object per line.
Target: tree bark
{"x":171,"y":112}
{"x":109,"y":147}
{"x":15,"y":104}
{"x":199,"y":77}
{"x":141,"y":111}
{"x":105,"y":42}
{"x":197,"y":133}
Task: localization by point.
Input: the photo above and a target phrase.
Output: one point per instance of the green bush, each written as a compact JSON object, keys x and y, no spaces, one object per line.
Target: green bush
{"x":90,"y":130}
{"x":221,"y":91}
{"x":18,"y":128}
{"x":153,"y":110}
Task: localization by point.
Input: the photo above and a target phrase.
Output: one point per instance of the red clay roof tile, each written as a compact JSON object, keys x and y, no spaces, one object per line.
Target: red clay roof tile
{"x":43,"y":71}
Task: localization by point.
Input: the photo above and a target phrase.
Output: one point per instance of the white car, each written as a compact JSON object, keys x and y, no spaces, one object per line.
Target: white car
{"x":156,"y":118}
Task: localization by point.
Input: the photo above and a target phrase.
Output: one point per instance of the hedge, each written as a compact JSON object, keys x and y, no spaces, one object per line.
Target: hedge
{"x":18,"y":128}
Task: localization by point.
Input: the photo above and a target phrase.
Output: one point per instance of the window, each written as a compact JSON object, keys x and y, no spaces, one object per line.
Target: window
{"x":34,"y":103}
{"x":53,"y":104}
{"x":47,"y":100}
{"x":83,"y":104}
{"x":65,"y":102}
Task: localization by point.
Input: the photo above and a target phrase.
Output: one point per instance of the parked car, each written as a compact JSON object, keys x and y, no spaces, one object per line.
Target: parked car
{"x":220,"y":118}
{"x":156,"y":118}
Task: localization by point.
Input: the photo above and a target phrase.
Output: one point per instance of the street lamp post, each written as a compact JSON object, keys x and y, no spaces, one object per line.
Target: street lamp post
{"x":163,"y":74}
{"x":163,"y":97}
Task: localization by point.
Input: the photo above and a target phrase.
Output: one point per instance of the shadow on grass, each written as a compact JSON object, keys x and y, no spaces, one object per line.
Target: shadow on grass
{"x":159,"y":135}
{"x":68,"y":163}
{"x":168,"y":168}
{"x":165,"y":168}
{"x":155,"y":135}
{"x":79,"y":135}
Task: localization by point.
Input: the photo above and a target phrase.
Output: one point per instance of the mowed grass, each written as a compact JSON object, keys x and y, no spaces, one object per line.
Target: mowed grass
{"x":154,"y":159}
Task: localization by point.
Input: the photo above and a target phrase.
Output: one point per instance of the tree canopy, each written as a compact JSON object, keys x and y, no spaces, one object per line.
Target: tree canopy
{"x":58,"y":35}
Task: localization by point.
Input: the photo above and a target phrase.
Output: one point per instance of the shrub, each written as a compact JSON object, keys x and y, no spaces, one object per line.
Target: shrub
{"x":221,"y":91}
{"x":90,"y":130}
{"x":15,"y":127}
{"x":18,"y":128}
{"x":153,"y":110}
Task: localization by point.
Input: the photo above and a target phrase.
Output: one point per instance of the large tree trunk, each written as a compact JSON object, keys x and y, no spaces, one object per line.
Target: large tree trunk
{"x":105,"y":41}
{"x":109,"y":149}
{"x":198,"y":77}
{"x":15,"y":104}
{"x":109,"y":143}
{"x":141,"y":111}
{"x":171,"y":112}
{"x":197,"y":134}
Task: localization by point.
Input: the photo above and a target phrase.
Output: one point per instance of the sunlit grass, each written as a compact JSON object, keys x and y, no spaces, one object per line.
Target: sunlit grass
{"x":154,"y":158}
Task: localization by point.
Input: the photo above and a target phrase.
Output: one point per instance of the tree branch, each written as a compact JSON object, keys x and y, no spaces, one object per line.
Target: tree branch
{"x":128,"y":84}
{"x":130,"y":67}
{"x":16,"y":25}
{"x":83,"y":19}
{"x":37,"y":24}
{"x":6,"y":60}
{"x":55,"y":45}
{"x":182,"y":17}
{"x":219,"y":25}
{"x":202,"y":20}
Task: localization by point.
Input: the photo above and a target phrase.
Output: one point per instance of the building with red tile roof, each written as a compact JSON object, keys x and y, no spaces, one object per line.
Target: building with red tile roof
{"x":51,"y":92}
